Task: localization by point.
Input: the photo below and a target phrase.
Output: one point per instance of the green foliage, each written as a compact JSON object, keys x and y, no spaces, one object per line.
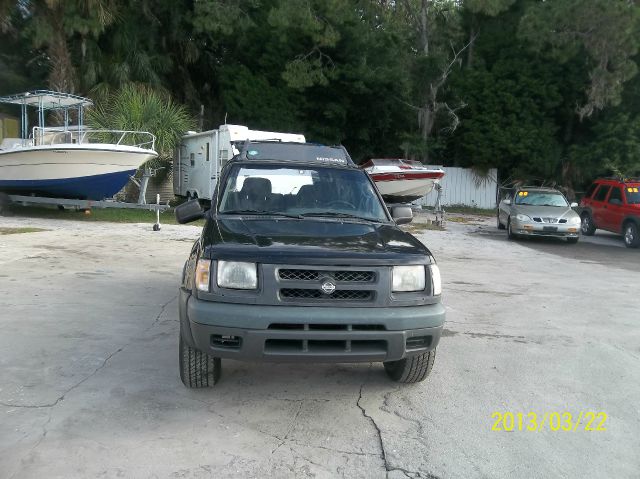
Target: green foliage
{"x":488,"y":7}
{"x":614,"y":149}
{"x":544,"y":89}
{"x":141,"y":108}
{"x":608,"y":31}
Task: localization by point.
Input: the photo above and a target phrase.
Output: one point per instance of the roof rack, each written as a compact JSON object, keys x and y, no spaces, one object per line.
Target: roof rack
{"x":295,"y":152}
{"x":621,"y":178}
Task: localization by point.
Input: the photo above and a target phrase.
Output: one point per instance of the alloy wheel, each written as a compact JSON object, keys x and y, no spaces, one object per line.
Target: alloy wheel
{"x":628,"y":235}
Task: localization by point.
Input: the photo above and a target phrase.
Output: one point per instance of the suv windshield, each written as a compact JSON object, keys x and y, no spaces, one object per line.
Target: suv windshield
{"x":300,"y":192}
{"x":540,"y":198}
{"x":633,"y":194}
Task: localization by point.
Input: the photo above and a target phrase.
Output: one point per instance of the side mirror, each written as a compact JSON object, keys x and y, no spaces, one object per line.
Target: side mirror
{"x":574,"y":205}
{"x":189,"y":211}
{"x":507,"y":202}
{"x":402,"y":214}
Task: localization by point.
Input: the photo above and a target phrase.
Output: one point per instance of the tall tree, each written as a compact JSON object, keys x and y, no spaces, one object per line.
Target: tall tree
{"x":53,"y":23}
{"x":607,"y":31}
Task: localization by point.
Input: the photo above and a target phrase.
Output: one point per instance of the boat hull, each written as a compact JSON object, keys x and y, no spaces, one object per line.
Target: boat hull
{"x":404,"y":188}
{"x":90,"y":172}
{"x":93,"y":187}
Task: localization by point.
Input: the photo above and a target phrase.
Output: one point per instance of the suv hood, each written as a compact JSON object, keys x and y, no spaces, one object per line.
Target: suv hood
{"x":310,"y":241}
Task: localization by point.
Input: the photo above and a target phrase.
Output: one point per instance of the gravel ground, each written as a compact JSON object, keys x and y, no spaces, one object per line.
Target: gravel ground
{"x":89,"y":384}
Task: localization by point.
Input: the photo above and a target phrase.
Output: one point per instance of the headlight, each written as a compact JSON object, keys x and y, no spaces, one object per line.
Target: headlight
{"x":574,"y":220}
{"x":408,"y":278}
{"x":203,"y":269}
{"x":435,"y":279}
{"x":523,"y":218}
{"x":237,"y":275}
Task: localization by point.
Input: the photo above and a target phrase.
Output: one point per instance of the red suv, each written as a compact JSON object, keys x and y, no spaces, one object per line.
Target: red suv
{"x":613,"y":205}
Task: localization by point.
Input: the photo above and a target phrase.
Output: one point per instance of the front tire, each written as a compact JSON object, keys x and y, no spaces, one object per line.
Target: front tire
{"x":412,"y":369}
{"x":631,"y":236}
{"x":587,"y":225}
{"x":500,"y":225}
{"x":198,"y":369}
{"x":510,"y":234}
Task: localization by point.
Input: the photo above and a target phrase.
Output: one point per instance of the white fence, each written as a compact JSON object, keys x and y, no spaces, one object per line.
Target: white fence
{"x":462,"y":186}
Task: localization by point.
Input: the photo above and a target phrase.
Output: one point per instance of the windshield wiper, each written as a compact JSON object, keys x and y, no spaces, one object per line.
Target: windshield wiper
{"x":260,"y":213}
{"x":340,"y":215}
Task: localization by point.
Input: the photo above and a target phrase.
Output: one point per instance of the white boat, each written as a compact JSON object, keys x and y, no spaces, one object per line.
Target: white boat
{"x":69,"y":161}
{"x":402,"y":181}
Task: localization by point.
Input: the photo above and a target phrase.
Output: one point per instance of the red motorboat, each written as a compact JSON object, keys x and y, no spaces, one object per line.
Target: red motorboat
{"x":402,"y":181}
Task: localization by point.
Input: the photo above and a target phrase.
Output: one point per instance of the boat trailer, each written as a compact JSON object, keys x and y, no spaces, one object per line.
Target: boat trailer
{"x":7,"y":200}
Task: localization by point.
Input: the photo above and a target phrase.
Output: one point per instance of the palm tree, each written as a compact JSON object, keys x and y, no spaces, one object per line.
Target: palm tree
{"x":52,"y":23}
{"x":139,"y":107}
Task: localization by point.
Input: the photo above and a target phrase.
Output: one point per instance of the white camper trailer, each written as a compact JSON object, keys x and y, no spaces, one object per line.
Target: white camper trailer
{"x":200,"y":157}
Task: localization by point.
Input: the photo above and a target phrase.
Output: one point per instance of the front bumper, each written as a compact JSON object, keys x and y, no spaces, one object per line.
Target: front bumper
{"x":532,"y":228}
{"x":320,"y":334}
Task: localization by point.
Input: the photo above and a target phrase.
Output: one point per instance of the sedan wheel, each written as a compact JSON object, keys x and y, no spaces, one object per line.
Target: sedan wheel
{"x":631,"y":236}
{"x":510,"y":234}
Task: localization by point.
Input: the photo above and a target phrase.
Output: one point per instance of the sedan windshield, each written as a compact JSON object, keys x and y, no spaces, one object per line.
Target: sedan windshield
{"x":540,"y":198}
{"x":296,"y":192}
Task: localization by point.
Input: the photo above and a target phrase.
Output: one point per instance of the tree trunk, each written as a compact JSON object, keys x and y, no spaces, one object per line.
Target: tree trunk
{"x":61,"y":77}
{"x":568,"y":168}
{"x":424,"y":28}
{"x":472,"y":34}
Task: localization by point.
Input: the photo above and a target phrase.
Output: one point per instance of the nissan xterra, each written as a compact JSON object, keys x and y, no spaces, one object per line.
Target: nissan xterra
{"x":300,"y":260}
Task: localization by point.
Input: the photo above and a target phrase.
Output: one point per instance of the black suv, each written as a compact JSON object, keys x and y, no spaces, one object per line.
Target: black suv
{"x":300,"y":260}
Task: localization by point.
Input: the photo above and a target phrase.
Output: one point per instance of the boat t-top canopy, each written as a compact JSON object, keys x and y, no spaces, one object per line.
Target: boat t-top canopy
{"x":47,"y":100}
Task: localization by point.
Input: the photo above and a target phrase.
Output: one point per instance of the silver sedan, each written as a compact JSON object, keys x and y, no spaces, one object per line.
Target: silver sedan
{"x":538,"y":212}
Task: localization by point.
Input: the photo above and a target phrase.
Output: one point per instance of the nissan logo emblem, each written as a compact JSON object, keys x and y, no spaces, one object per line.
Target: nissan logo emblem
{"x":328,"y":287}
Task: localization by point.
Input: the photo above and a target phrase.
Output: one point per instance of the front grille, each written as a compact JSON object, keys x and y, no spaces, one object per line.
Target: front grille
{"x":315,"y":275}
{"x":299,"y":275}
{"x":538,"y":219}
{"x":354,"y":276}
{"x":317,"y":294}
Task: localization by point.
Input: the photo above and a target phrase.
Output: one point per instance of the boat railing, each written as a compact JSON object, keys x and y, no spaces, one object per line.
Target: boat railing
{"x":61,"y":135}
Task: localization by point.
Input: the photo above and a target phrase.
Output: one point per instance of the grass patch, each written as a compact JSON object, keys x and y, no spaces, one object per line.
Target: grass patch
{"x":111,"y":215}
{"x":459,"y":219}
{"x":417,"y":228}
{"x":470,"y":210}
{"x":13,"y":231}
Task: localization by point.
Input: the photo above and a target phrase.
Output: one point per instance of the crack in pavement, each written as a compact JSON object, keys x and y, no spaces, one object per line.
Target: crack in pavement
{"x":79,"y":383}
{"x":162,"y":308}
{"x":383,"y":454}
{"x":341,"y":451}
{"x":45,"y":431}
{"x":93,"y":373}
{"x":290,"y":428}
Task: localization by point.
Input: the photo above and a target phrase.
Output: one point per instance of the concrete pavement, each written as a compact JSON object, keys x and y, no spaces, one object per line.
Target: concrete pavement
{"x":89,"y":384}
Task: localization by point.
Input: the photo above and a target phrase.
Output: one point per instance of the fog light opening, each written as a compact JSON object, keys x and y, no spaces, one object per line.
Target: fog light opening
{"x":226,"y":341}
